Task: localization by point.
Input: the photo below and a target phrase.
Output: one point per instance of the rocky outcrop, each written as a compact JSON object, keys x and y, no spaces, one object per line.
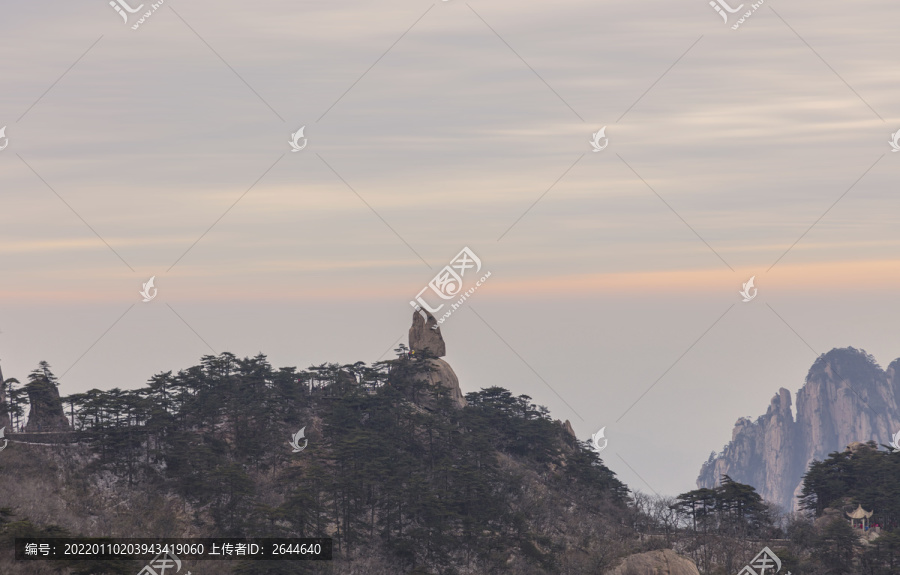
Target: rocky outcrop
{"x":438,"y":372}
{"x":426,"y":347}
{"x":761,"y":454}
{"x":425,"y":336}
{"x":46,"y":413}
{"x":847,"y":398}
{"x":660,"y":562}
{"x":567,"y":427}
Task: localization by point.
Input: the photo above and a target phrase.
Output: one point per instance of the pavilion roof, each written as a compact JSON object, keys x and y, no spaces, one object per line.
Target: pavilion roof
{"x":860,"y":513}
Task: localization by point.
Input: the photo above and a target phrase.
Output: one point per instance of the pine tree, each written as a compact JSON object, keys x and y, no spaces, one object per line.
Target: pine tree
{"x":17,"y":400}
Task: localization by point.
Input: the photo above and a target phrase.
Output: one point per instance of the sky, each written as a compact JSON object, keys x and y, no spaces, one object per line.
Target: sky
{"x":613,"y":299}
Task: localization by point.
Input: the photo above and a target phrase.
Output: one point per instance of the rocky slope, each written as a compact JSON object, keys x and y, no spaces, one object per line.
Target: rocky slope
{"x":847,"y":398}
{"x":661,"y":562}
{"x":402,"y":485}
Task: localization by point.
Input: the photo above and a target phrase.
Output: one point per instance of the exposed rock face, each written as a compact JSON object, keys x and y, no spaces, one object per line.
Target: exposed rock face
{"x":762,"y":454}
{"x":847,"y":398}
{"x":4,"y":407}
{"x":428,"y":345}
{"x":567,"y":427}
{"x":661,"y":562}
{"x":422,"y":338}
{"x":440,"y":373}
{"x":46,"y":412}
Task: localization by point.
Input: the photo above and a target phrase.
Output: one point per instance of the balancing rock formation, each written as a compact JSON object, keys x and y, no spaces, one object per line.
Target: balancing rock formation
{"x":425,"y":336}
{"x":428,"y":344}
{"x":847,"y":398}
{"x":46,"y":413}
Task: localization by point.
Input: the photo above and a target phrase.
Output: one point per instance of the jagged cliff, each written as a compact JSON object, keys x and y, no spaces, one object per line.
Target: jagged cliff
{"x":847,"y":398}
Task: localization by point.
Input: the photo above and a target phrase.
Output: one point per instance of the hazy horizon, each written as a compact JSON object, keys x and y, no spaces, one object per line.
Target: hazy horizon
{"x":163,"y":151}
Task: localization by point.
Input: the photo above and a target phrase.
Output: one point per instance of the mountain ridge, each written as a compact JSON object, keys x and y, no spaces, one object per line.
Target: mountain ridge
{"x":847,"y":397}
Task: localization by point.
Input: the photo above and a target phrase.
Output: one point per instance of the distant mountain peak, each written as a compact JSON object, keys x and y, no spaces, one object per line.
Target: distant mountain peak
{"x":847,"y":398}
{"x":848,"y":357}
